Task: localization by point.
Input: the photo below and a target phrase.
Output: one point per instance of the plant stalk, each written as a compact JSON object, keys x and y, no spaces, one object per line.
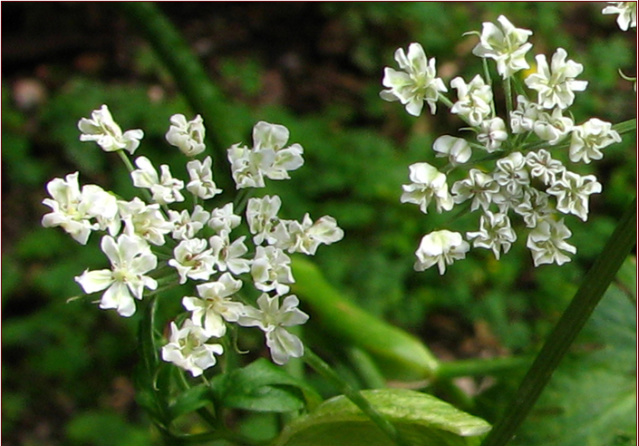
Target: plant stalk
{"x":588,"y":295}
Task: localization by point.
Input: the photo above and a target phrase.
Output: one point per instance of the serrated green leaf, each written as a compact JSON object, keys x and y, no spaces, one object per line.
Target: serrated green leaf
{"x":262,"y":386}
{"x":422,"y":420}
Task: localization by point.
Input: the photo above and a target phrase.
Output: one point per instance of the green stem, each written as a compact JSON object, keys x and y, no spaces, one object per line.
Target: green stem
{"x":127,"y":162}
{"x":447,"y":102}
{"x":509,"y":101}
{"x":398,"y":354}
{"x":626,"y":126}
{"x":578,"y":312}
{"x":480,"y":367}
{"x":321,"y":367}
{"x":190,"y":76}
{"x":366,"y":367}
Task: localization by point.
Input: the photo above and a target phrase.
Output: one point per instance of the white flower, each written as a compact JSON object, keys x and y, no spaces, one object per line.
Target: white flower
{"x":103,"y":206}
{"x":555,"y":85}
{"x":427,"y":184}
{"x":269,"y":138}
{"x":188,"y":348}
{"x":572,"y":192}
{"x":547,"y":242}
{"x":511,"y":174}
{"x":478,"y":186}
{"x":492,"y":133}
{"x":552,"y":127}
{"x":192,"y":259}
{"x":102,"y":129}
{"x":73,"y":209}
{"x":165,"y":188}
{"x":268,"y":158}
{"x":228,"y":256}
{"x":507,"y":46}
{"x":144,"y":220}
{"x":416,"y":84}
{"x":188,"y":136}
{"x":440,"y":248}
{"x":474,"y":99}
{"x":261,"y":216}
{"x":247,"y":167}
{"x":130,"y":259}
{"x":542,"y":166}
{"x":524,"y":117}
{"x":457,"y":149}
{"x":533,"y":207}
{"x":627,"y":14}
{"x":201,"y":184}
{"x":495,"y":233}
{"x":271,"y":270}
{"x":272,"y":319}
{"x":223,"y":220}
{"x":305,"y":237}
{"x":589,"y":138}
{"x":185,"y":225}
{"x":215,"y":305}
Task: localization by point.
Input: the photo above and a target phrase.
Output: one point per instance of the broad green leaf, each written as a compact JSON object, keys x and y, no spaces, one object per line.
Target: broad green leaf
{"x":402,"y":355}
{"x":422,"y":419}
{"x":262,"y":386}
{"x":591,"y":398}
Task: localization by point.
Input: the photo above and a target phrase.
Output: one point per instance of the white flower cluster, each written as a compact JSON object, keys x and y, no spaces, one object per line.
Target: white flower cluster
{"x":512,"y":168}
{"x":145,"y":237}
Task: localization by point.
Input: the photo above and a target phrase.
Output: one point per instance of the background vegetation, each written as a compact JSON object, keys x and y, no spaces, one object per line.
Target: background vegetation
{"x":316,"y":68}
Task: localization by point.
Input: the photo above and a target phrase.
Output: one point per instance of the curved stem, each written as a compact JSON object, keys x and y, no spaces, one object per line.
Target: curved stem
{"x":578,"y":312}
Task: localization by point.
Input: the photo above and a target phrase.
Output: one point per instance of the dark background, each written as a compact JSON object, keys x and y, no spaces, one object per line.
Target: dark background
{"x":317,"y":68}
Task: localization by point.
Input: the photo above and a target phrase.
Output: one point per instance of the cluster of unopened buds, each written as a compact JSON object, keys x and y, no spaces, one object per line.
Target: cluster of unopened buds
{"x":157,"y":241}
{"x":510,"y":167}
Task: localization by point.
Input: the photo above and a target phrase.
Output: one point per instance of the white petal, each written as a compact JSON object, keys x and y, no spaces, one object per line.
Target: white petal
{"x":119,"y":298}
{"x":92,"y":281}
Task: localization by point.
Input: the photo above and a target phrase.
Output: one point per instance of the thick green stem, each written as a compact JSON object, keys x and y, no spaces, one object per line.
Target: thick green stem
{"x":398,"y":354}
{"x":480,"y":367}
{"x":366,"y":367}
{"x":188,"y":73}
{"x":578,"y":312}
{"x":321,"y":367}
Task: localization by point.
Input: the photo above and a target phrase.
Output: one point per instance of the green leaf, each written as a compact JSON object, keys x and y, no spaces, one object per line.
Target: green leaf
{"x":191,"y":400}
{"x":591,"y":398}
{"x":422,"y":419}
{"x":262,"y":386}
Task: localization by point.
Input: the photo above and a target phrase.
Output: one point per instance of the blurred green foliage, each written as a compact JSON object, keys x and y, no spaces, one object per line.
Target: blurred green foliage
{"x":65,"y":362}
